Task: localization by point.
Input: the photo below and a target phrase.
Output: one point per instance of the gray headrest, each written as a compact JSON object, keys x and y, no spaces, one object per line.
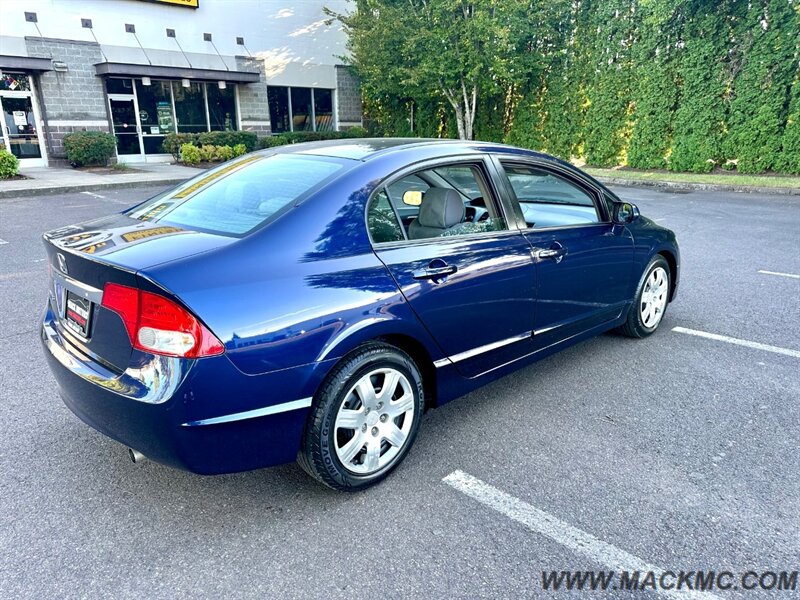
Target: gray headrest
{"x":441,"y":207}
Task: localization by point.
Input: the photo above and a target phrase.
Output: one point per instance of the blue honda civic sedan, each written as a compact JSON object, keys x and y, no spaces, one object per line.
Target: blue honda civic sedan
{"x":310,"y":302}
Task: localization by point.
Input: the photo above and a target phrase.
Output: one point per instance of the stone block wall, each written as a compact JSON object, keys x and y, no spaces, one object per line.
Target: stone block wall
{"x":348,"y":105}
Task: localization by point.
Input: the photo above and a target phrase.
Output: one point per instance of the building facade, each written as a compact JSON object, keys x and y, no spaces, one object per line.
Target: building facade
{"x":141,"y":69}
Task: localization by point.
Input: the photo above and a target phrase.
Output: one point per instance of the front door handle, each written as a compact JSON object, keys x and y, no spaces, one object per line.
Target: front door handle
{"x":556,"y":253}
{"x":435,"y":272}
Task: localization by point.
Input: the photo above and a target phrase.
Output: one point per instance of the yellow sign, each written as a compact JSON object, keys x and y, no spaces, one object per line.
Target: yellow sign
{"x":186,"y":3}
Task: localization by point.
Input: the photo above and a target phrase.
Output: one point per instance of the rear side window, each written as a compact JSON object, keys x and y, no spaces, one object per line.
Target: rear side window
{"x":382,"y":220}
{"x":237,"y":197}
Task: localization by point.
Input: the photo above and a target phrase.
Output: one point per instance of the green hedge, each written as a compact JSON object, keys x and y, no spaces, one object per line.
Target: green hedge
{"x":683,"y":85}
{"x":89,"y":148}
{"x":298,"y":137}
{"x":173,"y":141}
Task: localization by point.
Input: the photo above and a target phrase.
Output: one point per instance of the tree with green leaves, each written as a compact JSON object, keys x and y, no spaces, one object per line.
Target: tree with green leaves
{"x":459,"y":50}
{"x":655,"y":92}
{"x":763,"y":57}
{"x":609,"y":84}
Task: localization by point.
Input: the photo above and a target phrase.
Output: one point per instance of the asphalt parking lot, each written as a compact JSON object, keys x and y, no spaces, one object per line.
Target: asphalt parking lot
{"x":679,"y":452}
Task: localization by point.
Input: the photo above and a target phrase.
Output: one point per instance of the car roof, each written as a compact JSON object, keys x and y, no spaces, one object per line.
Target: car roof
{"x":364,"y":149}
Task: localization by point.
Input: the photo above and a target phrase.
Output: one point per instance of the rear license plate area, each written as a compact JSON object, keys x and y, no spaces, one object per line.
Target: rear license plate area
{"x":78,"y":314}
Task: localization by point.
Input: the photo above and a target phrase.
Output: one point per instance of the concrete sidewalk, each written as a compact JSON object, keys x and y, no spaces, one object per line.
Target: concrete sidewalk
{"x":48,"y":180}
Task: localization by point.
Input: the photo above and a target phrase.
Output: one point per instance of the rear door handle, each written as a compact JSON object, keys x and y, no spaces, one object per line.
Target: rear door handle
{"x":435,"y":272}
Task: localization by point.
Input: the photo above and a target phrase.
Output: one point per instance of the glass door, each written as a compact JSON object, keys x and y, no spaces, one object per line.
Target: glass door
{"x":20,"y":131}
{"x":19,"y":127}
{"x":125,"y":119}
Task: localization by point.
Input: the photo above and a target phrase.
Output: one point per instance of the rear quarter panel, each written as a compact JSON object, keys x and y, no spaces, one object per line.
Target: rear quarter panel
{"x":307,"y":288}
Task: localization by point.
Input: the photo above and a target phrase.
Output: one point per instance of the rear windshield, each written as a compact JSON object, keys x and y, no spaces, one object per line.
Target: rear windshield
{"x":240,"y":195}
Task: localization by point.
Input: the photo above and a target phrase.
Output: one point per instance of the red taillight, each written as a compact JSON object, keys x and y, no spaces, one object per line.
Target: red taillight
{"x":158,"y":325}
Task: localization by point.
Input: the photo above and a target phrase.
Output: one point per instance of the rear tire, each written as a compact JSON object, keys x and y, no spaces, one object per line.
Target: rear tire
{"x":364,"y":418}
{"x":651,"y":300}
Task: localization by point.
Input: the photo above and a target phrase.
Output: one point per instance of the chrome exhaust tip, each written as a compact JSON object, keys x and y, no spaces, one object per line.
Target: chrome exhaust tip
{"x":136,"y":456}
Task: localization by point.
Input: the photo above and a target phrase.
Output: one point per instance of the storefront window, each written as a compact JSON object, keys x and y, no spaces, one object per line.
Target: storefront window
{"x":155,"y":114}
{"x":323,"y":110}
{"x":14,"y":82}
{"x":221,"y":107}
{"x":301,"y":110}
{"x":310,"y":109}
{"x":190,"y":107}
{"x":278,"y":100}
{"x":119,"y":86}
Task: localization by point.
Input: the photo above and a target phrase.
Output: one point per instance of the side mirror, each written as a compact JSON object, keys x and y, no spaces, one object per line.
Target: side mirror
{"x":625,"y":212}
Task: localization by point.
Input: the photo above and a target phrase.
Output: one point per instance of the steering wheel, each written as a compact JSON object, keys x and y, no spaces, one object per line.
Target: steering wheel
{"x":475,"y":214}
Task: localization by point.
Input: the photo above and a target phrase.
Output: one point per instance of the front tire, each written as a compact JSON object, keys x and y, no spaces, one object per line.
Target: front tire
{"x":650,"y":302}
{"x":364,"y":418}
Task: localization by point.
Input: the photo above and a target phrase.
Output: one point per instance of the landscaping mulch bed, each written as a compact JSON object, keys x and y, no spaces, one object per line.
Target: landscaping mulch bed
{"x":107,"y":170}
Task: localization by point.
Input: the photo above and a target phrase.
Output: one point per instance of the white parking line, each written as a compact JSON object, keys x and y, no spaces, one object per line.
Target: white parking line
{"x":2,"y":241}
{"x":557,"y":530}
{"x":790,"y":275}
{"x":738,"y":342}
{"x":93,"y":195}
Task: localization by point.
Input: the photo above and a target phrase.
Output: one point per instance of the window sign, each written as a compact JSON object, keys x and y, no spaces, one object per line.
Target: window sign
{"x":164,"y":111}
{"x":14,"y":82}
{"x":20,"y":118}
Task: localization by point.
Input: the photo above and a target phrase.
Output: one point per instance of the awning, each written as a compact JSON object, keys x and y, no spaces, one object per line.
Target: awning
{"x":139,"y":70}
{"x":25,"y":63}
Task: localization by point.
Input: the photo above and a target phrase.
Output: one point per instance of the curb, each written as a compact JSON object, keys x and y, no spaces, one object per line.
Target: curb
{"x":700,"y":187}
{"x":90,"y":187}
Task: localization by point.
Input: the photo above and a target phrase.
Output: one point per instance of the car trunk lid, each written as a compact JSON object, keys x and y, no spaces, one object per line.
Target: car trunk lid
{"x":84,"y":258}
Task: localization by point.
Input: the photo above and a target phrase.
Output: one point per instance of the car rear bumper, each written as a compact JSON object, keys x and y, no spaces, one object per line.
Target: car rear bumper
{"x":203,"y":416}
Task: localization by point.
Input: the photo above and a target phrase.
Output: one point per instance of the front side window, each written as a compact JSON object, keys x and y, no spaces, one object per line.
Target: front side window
{"x":439,"y":202}
{"x":550,"y":200}
{"x":240,"y":195}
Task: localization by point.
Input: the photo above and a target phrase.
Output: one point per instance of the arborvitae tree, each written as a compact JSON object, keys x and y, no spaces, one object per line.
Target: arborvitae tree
{"x":546,"y":116}
{"x":789,"y":159}
{"x":699,"y":120}
{"x":761,"y":88}
{"x":655,"y":86}
{"x":563,"y":100}
{"x":691,"y":82}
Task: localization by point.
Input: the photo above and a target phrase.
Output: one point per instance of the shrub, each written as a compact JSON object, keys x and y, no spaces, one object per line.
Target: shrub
{"x":239,"y":149}
{"x":89,"y":148}
{"x":174,"y":141}
{"x":9,"y":164}
{"x":271,"y":141}
{"x":229,"y":138}
{"x":190,"y":154}
{"x":298,"y":137}
{"x":223,"y":153}
{"x":208,"y":153}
